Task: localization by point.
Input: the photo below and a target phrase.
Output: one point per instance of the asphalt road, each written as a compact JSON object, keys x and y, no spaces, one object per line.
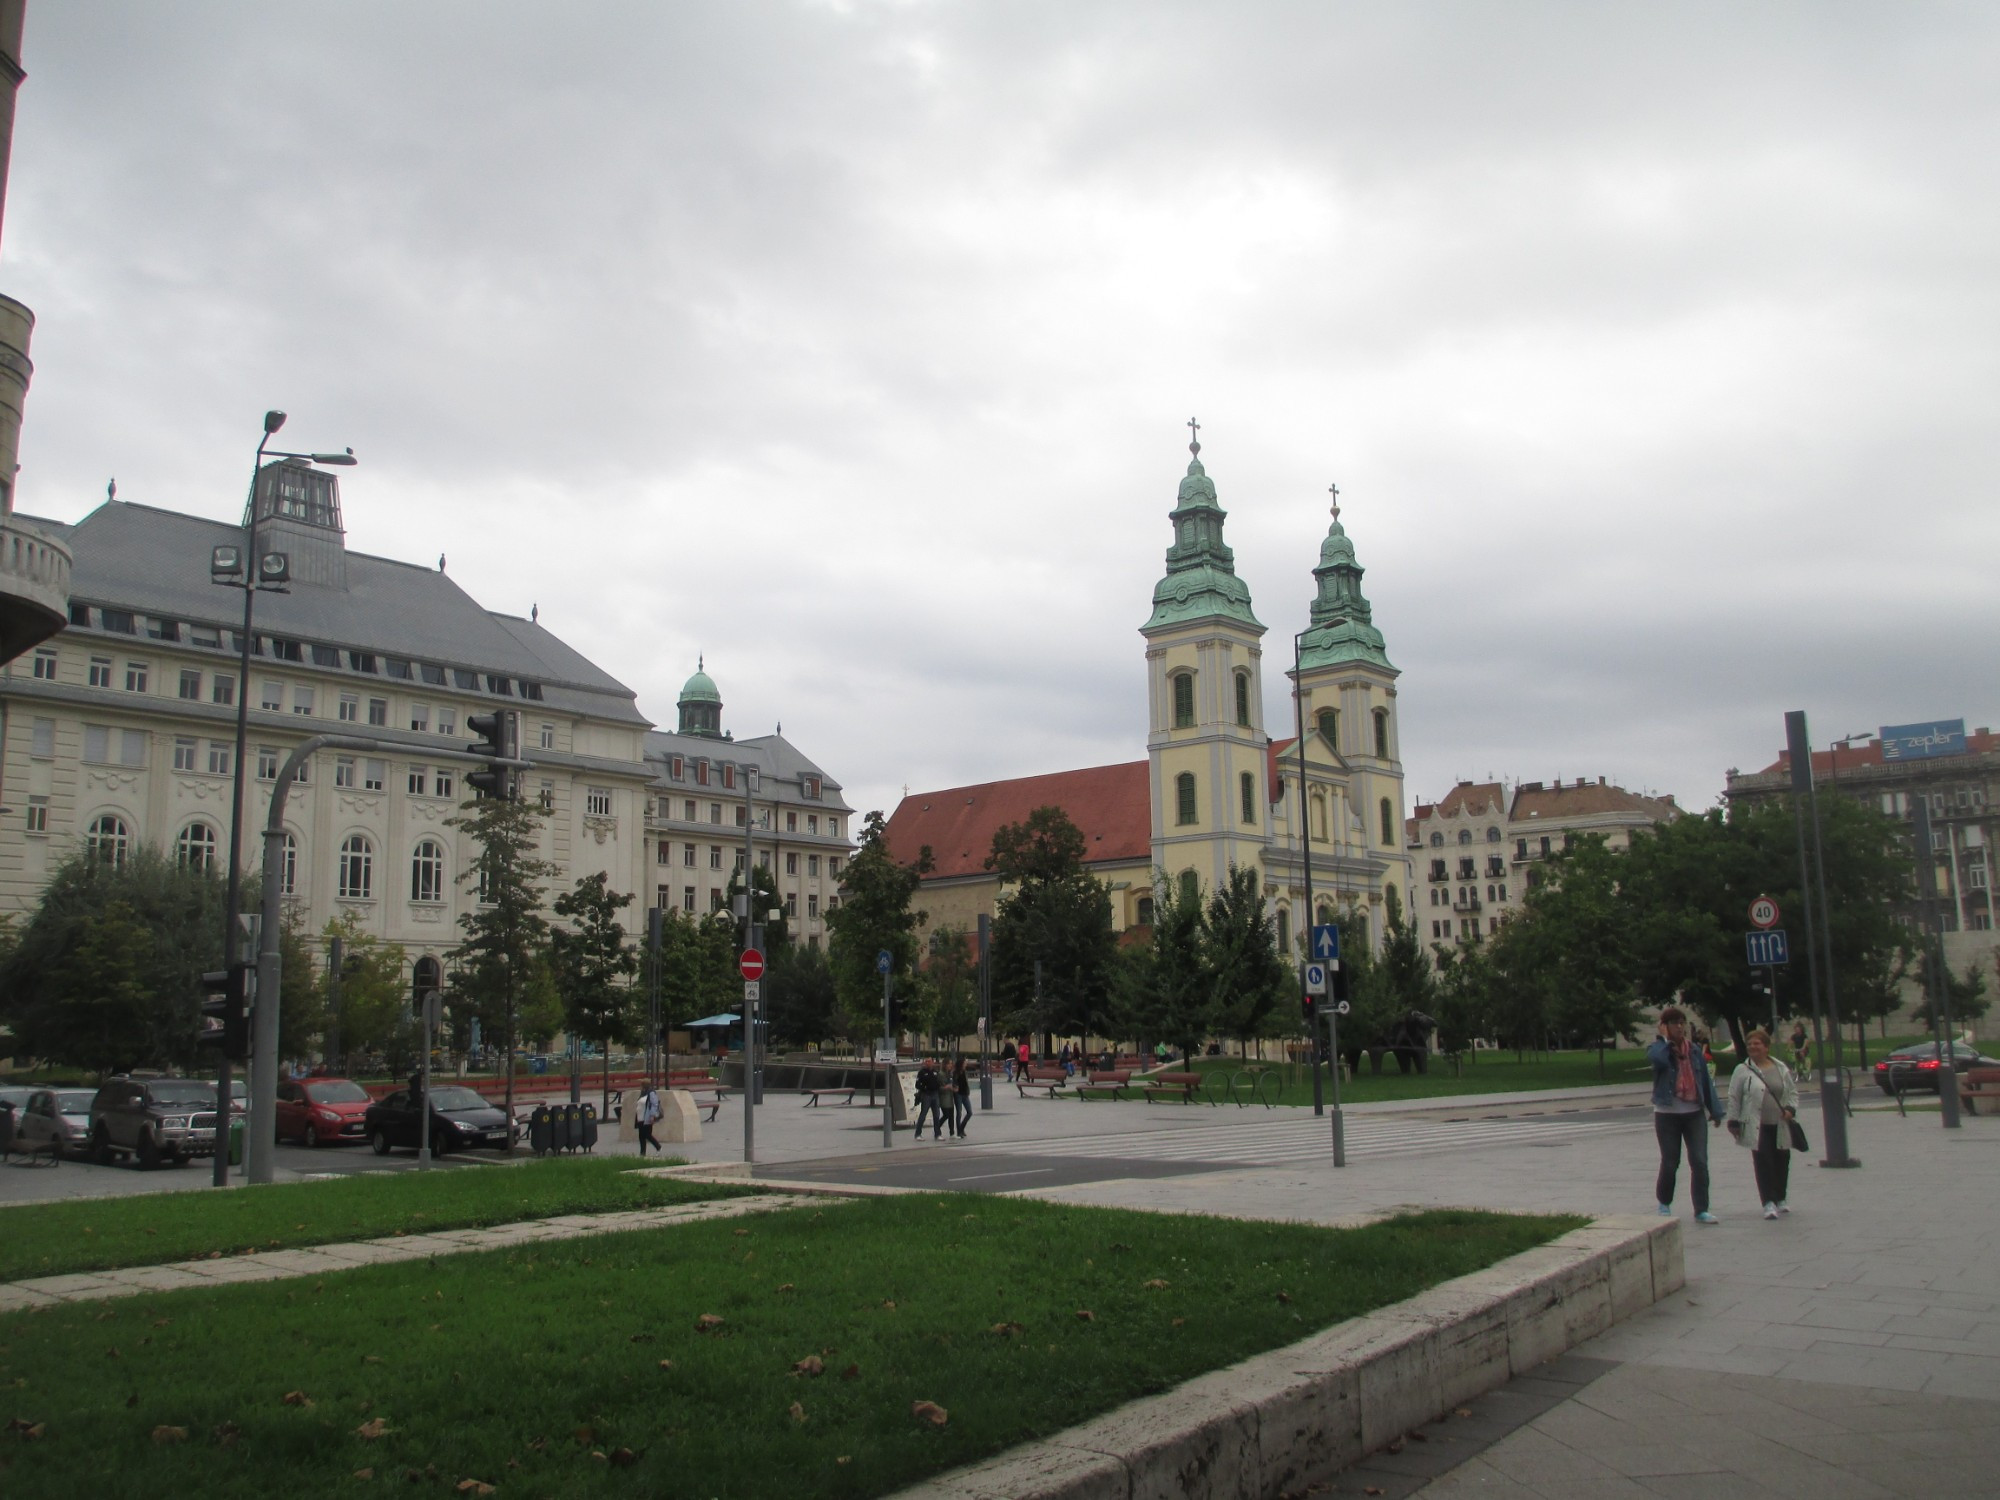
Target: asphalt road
{"x":85,"y":1179}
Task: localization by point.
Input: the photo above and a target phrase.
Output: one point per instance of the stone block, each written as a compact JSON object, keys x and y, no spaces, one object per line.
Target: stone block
{"x":1669,"y":1258}
{"x":1308,"y":1426}
{"x":679,"y":1119}
{"x":1041,"y":1471}
{"x":1194,"y":1440}
{"x":1395,"y":1361}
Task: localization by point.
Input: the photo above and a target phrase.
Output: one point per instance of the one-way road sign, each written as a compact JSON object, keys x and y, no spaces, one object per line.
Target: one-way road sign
{"x":1325,"y":942}
{"x":1766,"y":949}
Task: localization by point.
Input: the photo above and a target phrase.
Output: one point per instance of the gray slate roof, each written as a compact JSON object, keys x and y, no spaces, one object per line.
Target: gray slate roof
{"x":775,"y":757}
{"x":155,"y":561}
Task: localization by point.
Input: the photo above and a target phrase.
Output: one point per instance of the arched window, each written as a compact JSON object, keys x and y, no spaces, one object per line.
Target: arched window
{"x":1325,"y":914}
{"x":288,"y":868}
{"x":1492,"y":835}
{"x":1465,"y":835}
{"x":1388,"y":822}
{"x":195,"y":848}
{"x":1285,"y":931}
{"x":1382,"y":733}
{"x":1184,"y":808}
{"x":1145,"y":918}
{"x":1248,"y":785}
{"x":1190,"y":888}
{"x":1243,"y":699}
{"x":106,"y":839}
{"x":1437,"y":841}
{"x":1389,"y":896}
{"x":1183,"y":700}
{"x":1319,"y":816}
{"x":426,"y":974}
{"x":1329,"y":727}
{"x":357,"y":869}
{"x":427,"y":871}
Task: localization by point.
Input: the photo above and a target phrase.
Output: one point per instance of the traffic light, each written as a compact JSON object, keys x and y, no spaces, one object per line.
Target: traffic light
{"x":1311,"y":1005}
{"x":500,"y":742}
{"x":225,"y":1011}
{"x":1338,"y":984}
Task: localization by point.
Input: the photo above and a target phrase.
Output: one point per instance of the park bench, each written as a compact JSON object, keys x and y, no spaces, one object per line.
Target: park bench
{"x":1182,"y":1086}
{"x":1050,"y":1078}
{"x":706,"y":1092}
{"x":1978,"y":1083}
{"x":1113,"y":1082}
{"x":20,"y":1152}
{"x":813,"y":1096}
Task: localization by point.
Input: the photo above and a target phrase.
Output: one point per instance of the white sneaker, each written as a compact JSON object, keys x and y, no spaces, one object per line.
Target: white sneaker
{"x":1666,"y":1211}
{"x":1784,"y":1207}
{"x":1770,"y":1210}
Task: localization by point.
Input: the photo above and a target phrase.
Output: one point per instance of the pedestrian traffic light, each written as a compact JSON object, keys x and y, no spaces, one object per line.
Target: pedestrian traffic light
{"x":500,"y":743}
{"x":1311,"y":1004}
{"x":225,"y":1011}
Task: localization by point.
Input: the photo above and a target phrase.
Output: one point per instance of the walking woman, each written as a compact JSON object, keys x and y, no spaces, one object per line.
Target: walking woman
{"x":1763,"y":1102}
{"x":1683,"y":1092}
{"x":961,"y":1097}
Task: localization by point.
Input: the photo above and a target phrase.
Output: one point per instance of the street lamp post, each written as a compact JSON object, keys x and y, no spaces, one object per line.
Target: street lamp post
{"x":250,"y":572}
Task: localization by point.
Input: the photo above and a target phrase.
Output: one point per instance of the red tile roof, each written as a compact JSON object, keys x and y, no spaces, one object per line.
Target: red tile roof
{"x":1534,"y":800}
{"x":1844,"y":756}
{"x":1111,"y":804}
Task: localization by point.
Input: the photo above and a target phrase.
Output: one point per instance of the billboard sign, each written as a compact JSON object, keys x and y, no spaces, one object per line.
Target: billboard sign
{"x":1923,"y":741}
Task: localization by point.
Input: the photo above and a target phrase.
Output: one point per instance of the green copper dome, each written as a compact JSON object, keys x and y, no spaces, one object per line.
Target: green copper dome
{"x":1343,"y":624}
{"x":1201,"y":579}
{"x":700,"y":688}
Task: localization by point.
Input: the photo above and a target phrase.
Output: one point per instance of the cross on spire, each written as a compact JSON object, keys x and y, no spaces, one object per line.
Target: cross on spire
{"x":1334,"y":491}
{"x":1194,"y":441}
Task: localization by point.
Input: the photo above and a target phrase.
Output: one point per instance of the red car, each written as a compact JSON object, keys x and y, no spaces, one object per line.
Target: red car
{"x":321,"y":1110}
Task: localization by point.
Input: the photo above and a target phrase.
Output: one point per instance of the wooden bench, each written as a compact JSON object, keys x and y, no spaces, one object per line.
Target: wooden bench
{"x":1975,"y":1084}
{"x":813,"y":1096}
{"x":1050,"y":1078}
{"x":1185,"y":1087}
{"x":1113,"y":1082}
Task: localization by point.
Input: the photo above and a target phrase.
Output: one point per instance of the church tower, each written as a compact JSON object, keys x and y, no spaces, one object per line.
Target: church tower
{"x":1204,"y":690}
{"x":1353,"y":761}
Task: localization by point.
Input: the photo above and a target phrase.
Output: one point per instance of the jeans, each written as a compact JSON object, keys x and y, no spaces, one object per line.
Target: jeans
{"x":929,"y":1107}
{"x":1673,"y":1131}
{"x":646,"y":1137}
{"x":1772,"y":1166}
{"x":961,"y":1112}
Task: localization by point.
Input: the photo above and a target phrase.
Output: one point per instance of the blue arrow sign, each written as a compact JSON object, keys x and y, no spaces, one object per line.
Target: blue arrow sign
{"x":884,"y":962}
{"x":1767,"y":948}
{"x":1325,"y":941}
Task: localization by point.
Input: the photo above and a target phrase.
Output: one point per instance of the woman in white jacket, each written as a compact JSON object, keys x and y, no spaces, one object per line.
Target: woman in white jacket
{"x":1763,"y":1101}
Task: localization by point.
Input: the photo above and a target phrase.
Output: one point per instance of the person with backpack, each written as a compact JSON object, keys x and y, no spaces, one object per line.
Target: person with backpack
{"x":647,"y":1115}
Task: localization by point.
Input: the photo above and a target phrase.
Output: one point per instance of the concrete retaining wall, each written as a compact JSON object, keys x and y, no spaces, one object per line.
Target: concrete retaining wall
{"x":1281,"y":1421}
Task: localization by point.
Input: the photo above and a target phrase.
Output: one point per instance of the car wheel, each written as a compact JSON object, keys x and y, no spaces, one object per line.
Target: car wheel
{"x":311,"y":1136}
{"x":177,"y":1158}
{"x":100,"y":1146}
{"x":149,"y":1152}
{"x":379,"y":1139}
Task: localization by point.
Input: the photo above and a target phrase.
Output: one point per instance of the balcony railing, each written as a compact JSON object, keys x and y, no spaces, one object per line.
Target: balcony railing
{"x":34,"y":586}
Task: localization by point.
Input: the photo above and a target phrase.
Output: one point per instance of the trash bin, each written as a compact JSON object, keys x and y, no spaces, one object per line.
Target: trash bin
{"x":538,"y":1065}
{"x":589,"y":1136}
{"x":540,"y":1130}
{"x":235,"y":1143}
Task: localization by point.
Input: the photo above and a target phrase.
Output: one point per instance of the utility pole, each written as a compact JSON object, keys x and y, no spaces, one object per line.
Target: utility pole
{"x":1305,"y":845}
{"x":985,"y":1010}
{"x":1832,"y":1100}
{"x":1939,"y":988}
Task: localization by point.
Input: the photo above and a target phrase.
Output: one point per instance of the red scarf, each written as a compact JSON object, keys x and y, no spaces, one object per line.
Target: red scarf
{"x":1684,"y":1079}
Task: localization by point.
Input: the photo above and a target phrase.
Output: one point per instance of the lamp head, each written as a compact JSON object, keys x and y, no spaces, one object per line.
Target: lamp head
{"x":273,"y":420}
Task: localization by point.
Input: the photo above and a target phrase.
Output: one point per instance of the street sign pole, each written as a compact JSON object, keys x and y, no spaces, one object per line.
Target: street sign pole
{"x":887,"y":1052}
{"x":1939,"y":988}
{"x":1333,"y":1010}
{"x":1832,"y":1102}
{"x":985,"y":1011}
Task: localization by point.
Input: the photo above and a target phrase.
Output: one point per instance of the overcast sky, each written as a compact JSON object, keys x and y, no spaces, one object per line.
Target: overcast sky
{"x":851,"y":345}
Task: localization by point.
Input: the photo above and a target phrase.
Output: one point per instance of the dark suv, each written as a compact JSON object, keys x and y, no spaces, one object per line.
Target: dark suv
{"x":154,"y":1119}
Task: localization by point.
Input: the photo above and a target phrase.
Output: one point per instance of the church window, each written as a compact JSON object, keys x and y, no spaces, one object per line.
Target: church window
{"x":1183,"y":700}
{"x":1319,"y":816}
{"x":1465,"y":835}
{"x":1184,"y":809}
{"x":1249,"y":788}
{"x":1243,"y":699}
{"x":1492,"y":835}
{"x":1284,"y":930}
{"x":1382,"y":736}
{"x":1190,"y":887}
{"x":1388,"y":813}
{"x":1329,"y":728}
{"x":1437,"y":841}
{"x":1145,"y":911}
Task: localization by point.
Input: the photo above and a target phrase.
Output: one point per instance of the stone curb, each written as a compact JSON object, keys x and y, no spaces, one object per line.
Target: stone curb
{"x":1276,"y":1423}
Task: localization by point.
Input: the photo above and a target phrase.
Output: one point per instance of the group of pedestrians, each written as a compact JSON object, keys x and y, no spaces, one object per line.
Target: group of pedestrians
{"x":1761,"y":1115}
{"x":944,"y":1098}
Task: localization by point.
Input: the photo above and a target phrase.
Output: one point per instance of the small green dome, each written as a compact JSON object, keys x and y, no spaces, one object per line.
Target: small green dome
{"x":700,"y":688}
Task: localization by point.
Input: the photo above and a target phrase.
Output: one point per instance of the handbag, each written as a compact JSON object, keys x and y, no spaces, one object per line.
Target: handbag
{"x":1799,"y":1142}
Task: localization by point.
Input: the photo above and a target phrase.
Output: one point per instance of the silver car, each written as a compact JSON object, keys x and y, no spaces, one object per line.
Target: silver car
{"x":58,"y":1115}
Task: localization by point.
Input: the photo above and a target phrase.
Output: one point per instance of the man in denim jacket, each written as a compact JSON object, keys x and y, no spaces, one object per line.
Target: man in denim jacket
{"x":1683,"y":1092}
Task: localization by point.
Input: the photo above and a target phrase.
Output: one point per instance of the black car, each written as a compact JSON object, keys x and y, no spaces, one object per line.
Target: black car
{"x":460,"y":1119}
{"x":1915,"y":1069}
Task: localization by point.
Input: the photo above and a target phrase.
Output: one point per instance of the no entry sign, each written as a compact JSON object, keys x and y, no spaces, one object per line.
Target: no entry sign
{"x":751,"y":964}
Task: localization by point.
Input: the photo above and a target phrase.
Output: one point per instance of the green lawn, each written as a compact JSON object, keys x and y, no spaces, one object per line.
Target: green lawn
{"x":581,"y":1367}
{"x":95,"y":1234}
{"x":1492,"y":1073}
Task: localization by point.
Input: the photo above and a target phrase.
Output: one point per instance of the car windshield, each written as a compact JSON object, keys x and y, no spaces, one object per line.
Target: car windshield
{"x":456,"y":1098}
{"x":182,"y":1091}
{"x":75,"y":1101}
{"x":338,"y":1091}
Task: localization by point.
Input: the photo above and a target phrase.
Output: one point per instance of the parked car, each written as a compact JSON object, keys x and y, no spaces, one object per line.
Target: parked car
{"x":460,"y":1119}
{"x":317,"y":1111}
{"x":1916,"y":1068}
{"x":59,"y":1115}
{"x":153,"y":1119}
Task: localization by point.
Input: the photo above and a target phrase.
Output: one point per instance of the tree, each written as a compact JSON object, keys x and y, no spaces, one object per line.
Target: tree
{"x":106,"y":973}
{"x":1967,"y":991}
{"x":950,"y":981}
{"x":1165,"y":989}
{"x":874,"y":916}
{"x":804,"y":1008}
{"x":1578,"y":932}
{"x":1057,"y":916}
{"x":777,"y":930}
{"x":1464,"y":997}
{"x":697,"y":968}
{"x":376,"y":1005}
{"x":1251,"y":980}
{"x":302,"y":1005}
{"x":505,"y":933}
{"x":593,"y":965}
{"x":1405,"y":981}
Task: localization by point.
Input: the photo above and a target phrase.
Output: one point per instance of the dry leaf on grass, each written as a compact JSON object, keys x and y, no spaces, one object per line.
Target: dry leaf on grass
{"x":371,"y":1429}
{"x":1415,"y":1436}
{"x":844,"y":1459}
{"x":28,"y":1431}
{"x":1085,"y":1315}
{"x":889,"y":1306}
{"x":1008,"y":1330}
{"x":929,"y":1411}
{"x":1285,"y":1297}
{"x":666,"y":1364}
{"x":130,"y":1401}
{"x":642,"y":1338}
{"x":786,"y":1287}
{"x":538,"y":1445}
{"x":623,"y":1458}
{"x":364,"y":1473}
{"x":585,"y":1435}
{"x":852,"y":1372}
{"x":297,"y":1398}
{"x":707,"y":1323}
{"x":812,"y":1364}
{"x":1156,"y":1285}
{"x":740,"y":1233}
{"x":1179,"y":1322}
{"x":1373,"y":1489}
{"x":473,"y":1487}
{"x":226,"y":1433}
{"x":166,"y":1434}
{"x":161,"y":1322}
{"x":798,"y":1412}
{"x":371,"y":1359}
